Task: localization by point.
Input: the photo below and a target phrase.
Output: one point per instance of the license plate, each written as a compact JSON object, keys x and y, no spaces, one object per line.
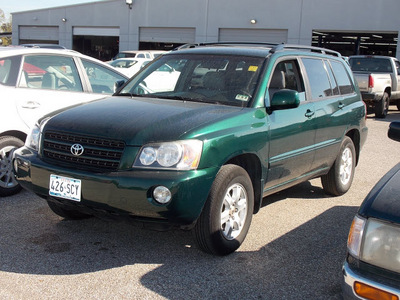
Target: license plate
{"x":64,"y":187}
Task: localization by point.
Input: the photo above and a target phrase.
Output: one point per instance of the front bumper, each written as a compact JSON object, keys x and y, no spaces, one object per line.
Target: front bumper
{"x":123,"y":192}
{"x":351,"y":275}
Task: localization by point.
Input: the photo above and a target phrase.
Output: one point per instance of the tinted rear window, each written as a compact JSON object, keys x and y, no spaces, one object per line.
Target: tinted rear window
{"x":370,"y":64}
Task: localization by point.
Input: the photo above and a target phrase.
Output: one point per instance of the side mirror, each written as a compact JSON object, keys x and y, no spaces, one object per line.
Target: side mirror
{"x":118,"y":84}
{"x":284,"y":99}
{"x":394,"y":131}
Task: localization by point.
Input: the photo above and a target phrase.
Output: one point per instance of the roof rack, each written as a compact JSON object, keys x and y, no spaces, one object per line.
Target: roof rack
{"x":281,"y":47}
{"x":275,"y":47}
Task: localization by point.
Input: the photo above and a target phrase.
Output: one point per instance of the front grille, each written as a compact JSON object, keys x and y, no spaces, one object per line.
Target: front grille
{"x":99,"y":154}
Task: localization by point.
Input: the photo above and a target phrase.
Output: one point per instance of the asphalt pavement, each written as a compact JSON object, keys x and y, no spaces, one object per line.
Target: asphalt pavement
{"x":294,"y":249}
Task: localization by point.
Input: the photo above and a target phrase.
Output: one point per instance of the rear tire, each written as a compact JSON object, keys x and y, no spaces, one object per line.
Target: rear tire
{"x":340,"y":177}
{"x":382,"y":107}
{"x":66,"y":212}
{"x":8,"y":184}
{"x":226,"y":217}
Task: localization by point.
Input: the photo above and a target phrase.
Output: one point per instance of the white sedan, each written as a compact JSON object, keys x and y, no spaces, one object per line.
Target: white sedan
{"x":37,"y":81}
{"x":129,"y":66}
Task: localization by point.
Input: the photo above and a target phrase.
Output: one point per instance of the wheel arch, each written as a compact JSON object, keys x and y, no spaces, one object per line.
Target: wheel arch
{"x":388,"y":90}
{"x":251,"y":163}
{"x":15,"y":133}
{"x":354,"y":134}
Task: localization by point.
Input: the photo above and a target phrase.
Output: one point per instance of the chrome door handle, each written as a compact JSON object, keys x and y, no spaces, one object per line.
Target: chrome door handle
{"x":31,"y":105}
{"x":309,"y":113}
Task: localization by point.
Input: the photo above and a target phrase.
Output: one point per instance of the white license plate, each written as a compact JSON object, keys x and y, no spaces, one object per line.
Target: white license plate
{"x":64,"y":187}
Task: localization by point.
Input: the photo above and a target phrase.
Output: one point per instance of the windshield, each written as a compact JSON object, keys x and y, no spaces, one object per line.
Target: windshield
{"x":229,"y":80}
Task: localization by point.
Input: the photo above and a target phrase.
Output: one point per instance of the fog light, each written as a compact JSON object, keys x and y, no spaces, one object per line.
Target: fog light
{"x":162,"y":195}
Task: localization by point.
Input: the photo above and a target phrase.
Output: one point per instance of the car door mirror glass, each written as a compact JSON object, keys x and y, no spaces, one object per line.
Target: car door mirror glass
{"x":285,"y":99}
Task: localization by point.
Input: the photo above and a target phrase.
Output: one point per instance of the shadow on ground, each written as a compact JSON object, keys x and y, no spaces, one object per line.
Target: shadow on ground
{"x":305,"y":263}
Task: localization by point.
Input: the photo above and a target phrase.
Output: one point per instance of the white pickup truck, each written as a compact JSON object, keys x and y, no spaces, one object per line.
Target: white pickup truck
{"x":378,"y":78}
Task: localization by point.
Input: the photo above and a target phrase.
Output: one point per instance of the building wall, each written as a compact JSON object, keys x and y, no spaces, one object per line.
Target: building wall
{"x":207,"y":17}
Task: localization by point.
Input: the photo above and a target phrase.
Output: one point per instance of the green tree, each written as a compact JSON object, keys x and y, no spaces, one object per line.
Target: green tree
{"x":5,"y":26}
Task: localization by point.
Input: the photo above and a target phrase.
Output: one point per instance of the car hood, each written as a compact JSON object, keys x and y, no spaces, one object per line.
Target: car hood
{"x":138,"y":121}
{"x":383,"y":201}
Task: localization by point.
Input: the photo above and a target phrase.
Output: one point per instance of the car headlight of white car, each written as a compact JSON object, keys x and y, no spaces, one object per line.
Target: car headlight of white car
{"x":177,"y":155}
{"x":33,"y":138}
{"x":375,"y":242}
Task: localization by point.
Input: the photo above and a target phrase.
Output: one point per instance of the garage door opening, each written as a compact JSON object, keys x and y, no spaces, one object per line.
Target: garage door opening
{"x":158,"y":46}
{"x":354,"y":43}
{"x":101,"y":47}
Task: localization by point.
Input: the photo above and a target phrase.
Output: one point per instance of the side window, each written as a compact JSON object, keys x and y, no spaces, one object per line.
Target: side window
{"x":342,"y":78}
{"x":101,"y":79}
{"x":50,"y":73}
{"x":5,"y":69}
{"x":286,"y":75}
{"x":317,"y":77}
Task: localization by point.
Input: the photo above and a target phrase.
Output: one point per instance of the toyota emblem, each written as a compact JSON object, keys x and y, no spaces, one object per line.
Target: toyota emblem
{"x":77,"y":149}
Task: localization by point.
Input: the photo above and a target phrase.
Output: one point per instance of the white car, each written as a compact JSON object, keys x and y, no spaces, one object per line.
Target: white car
{"x":37,"y":81}
{"x":129,"y":66}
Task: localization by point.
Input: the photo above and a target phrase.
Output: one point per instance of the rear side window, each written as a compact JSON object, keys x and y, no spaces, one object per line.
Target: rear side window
{"x":9,"y":68}
{"x":342,"y":78}
{"x":318,"y":78}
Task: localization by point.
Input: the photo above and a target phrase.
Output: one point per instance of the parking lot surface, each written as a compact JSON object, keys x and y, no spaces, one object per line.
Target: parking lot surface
{"x":294,"y":249}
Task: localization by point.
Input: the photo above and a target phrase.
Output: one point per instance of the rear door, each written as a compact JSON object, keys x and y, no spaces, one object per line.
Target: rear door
{"x":333,"y":96}
{"x":48,"y":83}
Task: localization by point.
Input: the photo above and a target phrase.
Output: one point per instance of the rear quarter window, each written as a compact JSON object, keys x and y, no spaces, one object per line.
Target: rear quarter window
{"x":342,"y":78}
{"x":9,"y":68}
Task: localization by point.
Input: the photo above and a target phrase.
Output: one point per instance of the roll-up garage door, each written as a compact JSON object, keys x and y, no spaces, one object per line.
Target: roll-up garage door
{"x":167,"y":35}
{"x":96,"y":31}
{"x":253,"y":35}
{"x":39,"y":33}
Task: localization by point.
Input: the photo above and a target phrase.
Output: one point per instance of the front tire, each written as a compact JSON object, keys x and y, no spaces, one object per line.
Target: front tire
{"x":8,"y":184}
{"x":226,"y":217}
{"x":340,"y":177}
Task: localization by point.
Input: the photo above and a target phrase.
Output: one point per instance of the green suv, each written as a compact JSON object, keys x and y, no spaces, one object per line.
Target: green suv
{"x":198,"y":138}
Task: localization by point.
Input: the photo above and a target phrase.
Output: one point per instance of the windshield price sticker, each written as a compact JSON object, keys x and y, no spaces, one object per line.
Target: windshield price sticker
{"x":64,"y":187}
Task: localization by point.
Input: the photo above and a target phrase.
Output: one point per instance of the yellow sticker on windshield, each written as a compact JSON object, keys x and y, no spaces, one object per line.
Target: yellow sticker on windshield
{"x":253,"y":68}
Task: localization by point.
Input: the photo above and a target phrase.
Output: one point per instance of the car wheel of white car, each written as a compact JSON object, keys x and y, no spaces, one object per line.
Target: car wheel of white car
{"x":340,"y":177}
{"x":226,"y":217}
{"x":8,"y":184}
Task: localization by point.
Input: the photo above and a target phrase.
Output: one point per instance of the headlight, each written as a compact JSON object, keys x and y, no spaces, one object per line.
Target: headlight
{"x":33,"y":138}
{"x":179,"y":155}
{"x":381,"y":245}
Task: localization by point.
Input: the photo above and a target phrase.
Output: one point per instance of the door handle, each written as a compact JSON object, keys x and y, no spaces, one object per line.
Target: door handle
{"x":31,"y":105}
{"x":341,"y":105}
{"x":309,"y":113}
